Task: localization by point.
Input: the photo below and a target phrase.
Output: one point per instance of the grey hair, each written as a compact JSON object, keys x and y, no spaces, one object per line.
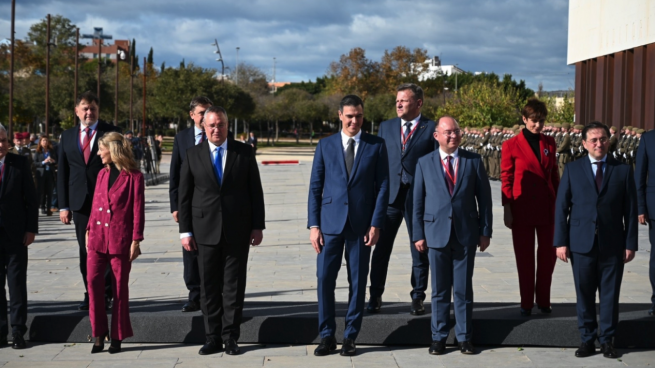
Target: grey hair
{"x":416,"y":90}
{"x":215,"y":110}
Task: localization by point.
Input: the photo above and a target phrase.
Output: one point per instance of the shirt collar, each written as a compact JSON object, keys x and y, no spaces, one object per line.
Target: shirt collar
{"x":345,"y":138}
{"x":212,"y":146}
{"x":197,"y":131}
{"x":92,"y":126}
{"x":2,"y":160}
{"x":416,"y":119}
{"x":443,"y":154}
{"x":593,"y":160}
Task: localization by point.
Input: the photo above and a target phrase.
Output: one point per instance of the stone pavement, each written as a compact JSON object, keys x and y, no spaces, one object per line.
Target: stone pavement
{"x":283,"y":269}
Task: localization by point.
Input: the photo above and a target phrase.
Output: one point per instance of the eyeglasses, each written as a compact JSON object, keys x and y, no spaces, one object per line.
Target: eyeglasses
{"x":601,"y":140}
{"x":451,"y":133}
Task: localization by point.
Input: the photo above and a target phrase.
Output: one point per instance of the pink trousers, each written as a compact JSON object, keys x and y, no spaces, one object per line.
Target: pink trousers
{"x":121,"y":327}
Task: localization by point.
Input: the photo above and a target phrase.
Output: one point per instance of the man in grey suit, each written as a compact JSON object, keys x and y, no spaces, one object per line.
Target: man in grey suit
{"x":452,"y":216}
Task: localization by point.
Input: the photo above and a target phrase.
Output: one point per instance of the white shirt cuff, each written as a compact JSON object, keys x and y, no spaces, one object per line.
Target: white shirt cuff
{"x":185,"y":235}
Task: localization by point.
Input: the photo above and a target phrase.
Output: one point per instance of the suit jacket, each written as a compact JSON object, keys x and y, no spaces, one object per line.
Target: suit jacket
{"x":117,"y":214}
{"x":581,"y":210}
{"x":209,"y":209}
{"x":421,"y":143}
{"x":363,"y":198}
{"x":18,"y":202}
{"x":183,"y":141}
{"x":38,"y":161}
{"x":76,"y":180}
{"x":645,"y":175}
{"x":435,"y":211}
{"x":530,"y":186}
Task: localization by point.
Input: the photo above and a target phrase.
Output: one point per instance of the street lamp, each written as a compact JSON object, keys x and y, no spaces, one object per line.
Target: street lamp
{"x":237,"y":83}
{"x":11,"y":70}
{"x":47,"y":75}
{"x":98,"y":35}
{"x":220,"y":58}
{"x":445,"y":89}
{"x":455,"y":71}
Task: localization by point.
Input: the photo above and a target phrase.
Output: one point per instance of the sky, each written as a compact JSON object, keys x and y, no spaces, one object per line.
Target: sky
{"x":525,"y":38}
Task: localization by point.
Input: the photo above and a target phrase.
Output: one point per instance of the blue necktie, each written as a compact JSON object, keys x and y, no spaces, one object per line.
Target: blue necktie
{"x":218,"y":165}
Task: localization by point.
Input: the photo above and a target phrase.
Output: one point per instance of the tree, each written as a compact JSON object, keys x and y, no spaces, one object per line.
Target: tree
{"x":150,"y":57}
{"x":402,"y":66}
{"x":354,"y":73}
{"x":379,"y":108}
{"x":62,"y":33}
{"x":252,"y":79}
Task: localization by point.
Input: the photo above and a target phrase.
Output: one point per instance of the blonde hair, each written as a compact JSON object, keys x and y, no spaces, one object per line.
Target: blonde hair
{"x":120,"y":150}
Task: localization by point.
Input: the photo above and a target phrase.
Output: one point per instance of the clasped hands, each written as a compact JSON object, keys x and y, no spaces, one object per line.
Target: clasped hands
{"x":135,"y":248}
{"x":483,"y":244}
{"x":316,"y":237}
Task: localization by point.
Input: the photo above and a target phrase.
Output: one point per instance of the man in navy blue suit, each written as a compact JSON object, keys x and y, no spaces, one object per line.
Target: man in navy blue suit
{"x":452,"y":216}
{"x":645,"y":179}
{"x":596,"y":227}
{"x":408,"y":138}
{"x":184,"y":140}
{"x":348,"y":197}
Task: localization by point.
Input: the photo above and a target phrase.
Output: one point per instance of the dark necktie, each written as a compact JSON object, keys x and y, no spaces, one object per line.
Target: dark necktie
{"x":599,"y":174}
{"x":87,"y":145}
{"x":450,"y":175}
{"x":403,"y":174}
{"x":408,"y":129}
{"x":350,"y":156}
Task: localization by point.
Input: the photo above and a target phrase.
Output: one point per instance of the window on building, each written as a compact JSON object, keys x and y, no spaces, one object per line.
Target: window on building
{"x":95,"y":56}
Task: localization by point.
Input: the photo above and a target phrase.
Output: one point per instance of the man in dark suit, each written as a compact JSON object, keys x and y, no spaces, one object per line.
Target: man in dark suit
{"x":18,"y":226}
{"x":221,"y":213}
{"x":184,"y":140}
{"x":78,"y":168}
{"x":408,"y":138}
{"x":645,"y":179}
{"x":452,"y":213}
{"x":596,"y":227}
{"x":348,"y":198}
{"x":252,"y":140}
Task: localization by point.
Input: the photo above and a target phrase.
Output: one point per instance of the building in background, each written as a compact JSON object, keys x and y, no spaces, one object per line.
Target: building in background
{"x":612,"y":44}
{"x":122,"y":47}
{"x":432,"y":68}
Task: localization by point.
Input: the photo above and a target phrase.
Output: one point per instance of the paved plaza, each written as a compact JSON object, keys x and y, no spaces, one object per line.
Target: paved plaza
{"x":283,"y":269}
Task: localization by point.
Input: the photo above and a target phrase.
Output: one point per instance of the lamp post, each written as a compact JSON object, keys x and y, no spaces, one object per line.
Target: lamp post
{"x":77,"y":54}
{"x":237,"y":83}
{"x":143,"y":123}
{"x":444,"y":94}
{"x":455,"y":71}
{"x":47,"y":75}
{"x":274,"y":86}
{"x":220,"y":58}
{"x":11,"y":71}
{"x":131,"y":89}
{"x":98,"y":35}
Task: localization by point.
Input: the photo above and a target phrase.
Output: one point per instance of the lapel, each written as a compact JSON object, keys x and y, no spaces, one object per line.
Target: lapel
{"x":609,"y":168}
{"x":545,"y":158}
{"x":436,"y":161}
{"x":94,"y":149}
{"x":120,"y":181}
{"x":358,"y":156}
{"x":525,"y":148}
{"x":337,"y":146}
{"x":206,"y":162}
{"x":461,"y":166}
{"x":420,"y":129}
{"x":586,"y":167}
{"x":191,"y":137}
{"x":8,"y":168}
{"x":395,"y":139}
{"x":230,"y":159}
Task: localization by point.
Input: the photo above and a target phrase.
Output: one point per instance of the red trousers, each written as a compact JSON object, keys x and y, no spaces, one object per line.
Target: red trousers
{"x":121,"y":327}
{"x":523,"y":238}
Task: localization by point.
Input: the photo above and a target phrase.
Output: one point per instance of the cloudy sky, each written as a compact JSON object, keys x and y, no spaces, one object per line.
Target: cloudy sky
{"x":526,"y":38}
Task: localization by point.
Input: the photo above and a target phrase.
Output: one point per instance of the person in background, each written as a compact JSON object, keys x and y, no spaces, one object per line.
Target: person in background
{"x":252,"y":140}
{"x":45,"y":159}
{"x":114,"y":233}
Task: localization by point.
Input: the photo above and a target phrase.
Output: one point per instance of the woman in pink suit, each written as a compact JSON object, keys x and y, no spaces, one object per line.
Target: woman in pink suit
{"x":114,"y":232}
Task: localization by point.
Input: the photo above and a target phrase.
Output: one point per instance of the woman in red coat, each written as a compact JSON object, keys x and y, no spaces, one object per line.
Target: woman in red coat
{"x":530,"y":179}
{"x":114,"y":233}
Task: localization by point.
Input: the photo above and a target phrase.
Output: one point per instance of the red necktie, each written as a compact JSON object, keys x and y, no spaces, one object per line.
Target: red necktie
{"x":86,"y":144}
{"x":599,"y":174}
{"x":450,"y":175}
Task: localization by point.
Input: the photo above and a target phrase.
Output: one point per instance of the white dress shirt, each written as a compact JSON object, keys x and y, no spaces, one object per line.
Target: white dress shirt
{"x":411,"y":126}
{"x":345,"y":139}
{"x":594,"y":166}
{"x":82,"y":134}
{"x":197,"y":134}
{"x":212,"y":153}
{"x":454,"y":161}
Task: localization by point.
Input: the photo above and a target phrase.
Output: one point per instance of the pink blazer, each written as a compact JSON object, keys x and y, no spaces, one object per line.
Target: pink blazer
{"x":118,"y":215}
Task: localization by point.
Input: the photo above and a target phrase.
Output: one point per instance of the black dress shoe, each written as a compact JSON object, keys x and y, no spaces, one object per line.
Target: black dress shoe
{"x":608,"y":350}
{"x":545,"y":310}
{"x":327,"y":345}
{"x":84,"y":306}
{"x":437,"y":348}
{"x":109,"y":303}
{"x":231,"y":347}
{"x":466,"y":347}
{"x":651,"y":311}
{"x":526,"y":312}
{"x":348,"y":347}
{"x":585,"y":350}
{"x":190,"y":306}
{"x":374,"y":305}
{"x":19,"y":342}
{"x":210,"y":347}
{"x":114,"y":346}
{"x":417,"y":307}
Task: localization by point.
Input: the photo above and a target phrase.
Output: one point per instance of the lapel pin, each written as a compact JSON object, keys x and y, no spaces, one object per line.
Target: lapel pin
{"x":545,"y":151}
{"x":422,"y":127}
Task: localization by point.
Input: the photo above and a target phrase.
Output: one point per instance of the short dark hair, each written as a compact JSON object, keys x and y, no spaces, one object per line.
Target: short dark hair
{"x":535,"y":110}
{"x":416,"y":90}
{"x":88,"y":97}
{"x":215,"y":110}
{"x":594,"y":125}
{"x":200,"y":100}
{"x":350,"y":100}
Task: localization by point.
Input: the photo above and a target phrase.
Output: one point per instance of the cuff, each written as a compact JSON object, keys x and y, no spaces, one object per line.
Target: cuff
{"x":185,"y":235}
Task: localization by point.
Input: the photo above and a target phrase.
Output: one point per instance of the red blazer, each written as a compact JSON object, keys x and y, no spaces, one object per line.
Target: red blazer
{"x":530,"y":186}
{"x":118,"y":215}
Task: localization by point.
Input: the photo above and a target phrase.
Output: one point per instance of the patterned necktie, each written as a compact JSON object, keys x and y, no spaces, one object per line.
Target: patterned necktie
{"x":218,"y":165}
{"x":202,"y":137}
{"x":450,"y":175}
{"x":350,"y":156}
{"x":86,"y":144}
{"x":599,"y":174}
{"x":408,"y":129}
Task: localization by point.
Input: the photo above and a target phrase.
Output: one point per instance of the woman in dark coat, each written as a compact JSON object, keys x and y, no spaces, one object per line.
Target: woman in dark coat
{"x":44,"y":161}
